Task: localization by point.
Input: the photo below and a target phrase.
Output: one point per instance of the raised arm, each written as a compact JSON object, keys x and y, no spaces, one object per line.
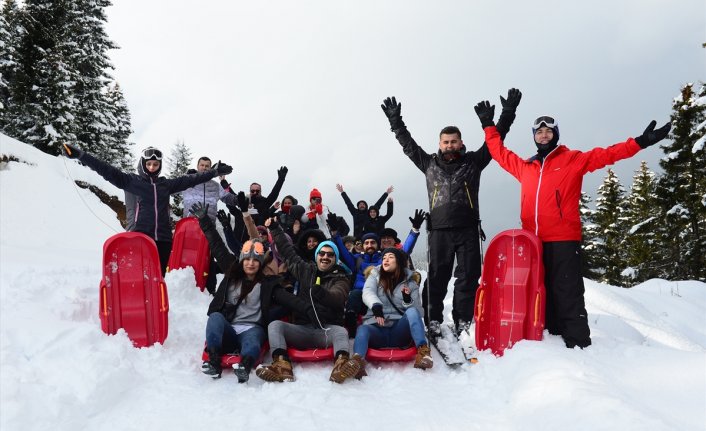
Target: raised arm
{"x":384,"y":196}
{"x":507,"y":160}
{"x":393,"y":111}
{"x":219,"y":251}
{"x":507,"y":117}
{"x":281,"y":175}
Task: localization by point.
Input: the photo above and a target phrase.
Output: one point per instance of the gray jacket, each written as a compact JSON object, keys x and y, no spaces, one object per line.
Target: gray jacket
{"x":207,"y":193}
{"x":373,"y":293}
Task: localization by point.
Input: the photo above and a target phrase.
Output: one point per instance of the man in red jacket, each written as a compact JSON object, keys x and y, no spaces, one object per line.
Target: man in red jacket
{"x":551,"y":190}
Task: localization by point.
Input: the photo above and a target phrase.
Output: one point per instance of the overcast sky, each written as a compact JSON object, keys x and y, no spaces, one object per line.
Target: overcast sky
{"x":299,"y":83}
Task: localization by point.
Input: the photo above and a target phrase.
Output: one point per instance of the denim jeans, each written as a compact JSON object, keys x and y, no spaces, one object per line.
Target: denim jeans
{"x":221,"y":337}
{"x":406,"y":329}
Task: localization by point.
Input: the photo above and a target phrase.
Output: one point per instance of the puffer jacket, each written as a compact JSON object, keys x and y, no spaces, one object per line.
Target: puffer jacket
{"x":551,"y":191}
{"x":373,"y":293}
{"x":207,"y":193}
{"x":452,"y":186}
{"x":152,"y":211}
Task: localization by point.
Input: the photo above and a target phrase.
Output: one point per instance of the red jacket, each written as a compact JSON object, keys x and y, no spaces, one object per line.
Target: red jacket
{"x":551,"y":191}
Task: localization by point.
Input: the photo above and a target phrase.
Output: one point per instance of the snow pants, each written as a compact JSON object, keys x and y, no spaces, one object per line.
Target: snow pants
{"x":566,"y":310}
{"x":445,"y":245}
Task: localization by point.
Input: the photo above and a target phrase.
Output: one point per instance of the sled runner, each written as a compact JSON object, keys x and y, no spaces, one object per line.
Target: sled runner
{"x":510,"y":300}
{"x":190,"y":248}
{"x":132,"y":293}
{"x":391,"y":354}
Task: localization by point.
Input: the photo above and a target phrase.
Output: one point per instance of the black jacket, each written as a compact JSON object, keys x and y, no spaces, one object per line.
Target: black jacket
{"x":152,"y":215}
{"x":452,"y":186}
{"x":326,"y":291}
{"x":360,"y":217}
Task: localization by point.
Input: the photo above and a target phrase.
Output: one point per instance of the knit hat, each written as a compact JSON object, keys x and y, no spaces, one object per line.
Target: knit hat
{"x":262,"y":230}
{"x":370,"y":235}
{"x":253,"y":249}
{"x":357,"y":204}
{"x":388,"y":231}
{"x":315,"y":193}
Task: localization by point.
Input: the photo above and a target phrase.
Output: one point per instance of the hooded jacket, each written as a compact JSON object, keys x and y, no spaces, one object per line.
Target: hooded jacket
{"x":360,"y":217}
{"x":152,"y":216}
{"x":207,"y":193}
{"x":551,"y":191}
{"x":452,"y":186}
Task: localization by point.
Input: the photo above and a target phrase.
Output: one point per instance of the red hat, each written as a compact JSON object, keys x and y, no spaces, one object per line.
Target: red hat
{"x":315,"y":193}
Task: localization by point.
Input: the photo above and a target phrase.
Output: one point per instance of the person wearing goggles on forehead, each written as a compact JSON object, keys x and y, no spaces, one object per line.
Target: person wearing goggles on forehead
{"x":317,"y":310}
{"x":152,"y":215}
{"x":551,"y":189}
{"x":453,"y":179}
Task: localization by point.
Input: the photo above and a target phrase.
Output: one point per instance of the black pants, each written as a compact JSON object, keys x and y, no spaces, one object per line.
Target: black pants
{"x":445,"y":245}
{"x":164,"y":248}
{"x":566,"y":310}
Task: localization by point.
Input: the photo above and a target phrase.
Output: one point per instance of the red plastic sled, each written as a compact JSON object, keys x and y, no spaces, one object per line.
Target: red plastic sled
{"x":310,"y":355}
{"x":510,"y":300}
{"x":190,"y":248}
{"x":229,"y":359}
{"x":391,"y":354}
{"x":132,"y":292}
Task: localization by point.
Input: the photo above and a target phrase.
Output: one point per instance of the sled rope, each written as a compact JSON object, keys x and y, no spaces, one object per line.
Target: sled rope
{"x":81,"y":197}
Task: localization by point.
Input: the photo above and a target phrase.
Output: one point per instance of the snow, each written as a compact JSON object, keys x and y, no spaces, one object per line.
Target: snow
{"x":646,"y":368}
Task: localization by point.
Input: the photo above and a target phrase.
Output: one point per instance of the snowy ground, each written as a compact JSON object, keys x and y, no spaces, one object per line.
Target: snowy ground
{"x":646,"y":369}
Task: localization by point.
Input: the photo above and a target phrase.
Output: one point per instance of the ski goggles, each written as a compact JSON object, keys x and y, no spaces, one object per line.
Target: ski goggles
{"x":151,"y":154}
{"x":544,"y":120}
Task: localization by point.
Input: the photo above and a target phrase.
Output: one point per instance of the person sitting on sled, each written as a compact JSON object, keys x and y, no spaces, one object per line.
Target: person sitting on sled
{"x":152,"y":191}
{"x":551,"y":190}
{"x":394,"y":317}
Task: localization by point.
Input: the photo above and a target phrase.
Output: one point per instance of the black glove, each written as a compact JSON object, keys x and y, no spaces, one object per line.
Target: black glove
{"x":282,"y":172}
{"x":393,"y":111}
{"x":199,"y":210}
{"x":242,"y":202}
{"x":224,"y":219}
{"x":418,"y":219}
{"x":274,"y":224}
{"x":485,"y":112}
{"x":377,"y":310}
{"x":332,"y":222}
{"x":651,"y":136}
{"x":513,"y":99}
{"x":406,"y":297}
{"x":71,"y":152}
{"x":222,"y":168}
{"x":225,"y":184}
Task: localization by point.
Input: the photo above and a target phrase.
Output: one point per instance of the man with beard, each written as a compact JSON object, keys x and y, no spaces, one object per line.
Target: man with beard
{"x":453,"y":179}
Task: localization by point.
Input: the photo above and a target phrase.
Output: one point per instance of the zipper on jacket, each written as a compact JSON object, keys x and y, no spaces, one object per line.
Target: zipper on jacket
{"x":558,"y":203}
{"x":156,"y":217}
{"x":465,"y":185}
{"x":433,"y":199}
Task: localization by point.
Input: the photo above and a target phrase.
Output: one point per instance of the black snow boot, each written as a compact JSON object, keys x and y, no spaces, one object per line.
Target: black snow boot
{"x":213,"y":368}
{"x":242,"y":370}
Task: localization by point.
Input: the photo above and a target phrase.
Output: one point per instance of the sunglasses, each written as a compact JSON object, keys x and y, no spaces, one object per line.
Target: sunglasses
{"x":254,"y":247}
{"x":151,"y":154}
{"x":358,"y":243}
{"x":547,"y":121}
{"x":327,"y":253}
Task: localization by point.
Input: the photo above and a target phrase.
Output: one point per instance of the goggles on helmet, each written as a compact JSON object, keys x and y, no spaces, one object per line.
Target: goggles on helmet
{"x":544,"y":120}
{"x":151,"y":153}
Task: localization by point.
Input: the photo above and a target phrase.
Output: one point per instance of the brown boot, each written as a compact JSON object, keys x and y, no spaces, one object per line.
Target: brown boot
{"x":279,"y":371}
{"x":353,"y":367}
{"x":423,"y":359}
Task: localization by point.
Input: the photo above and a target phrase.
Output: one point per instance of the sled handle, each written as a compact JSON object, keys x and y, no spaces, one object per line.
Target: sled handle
{"x":162,"y":295}
{"x":104,"y":300}
{"x":536,"y":308}
{"x":479,"y":312}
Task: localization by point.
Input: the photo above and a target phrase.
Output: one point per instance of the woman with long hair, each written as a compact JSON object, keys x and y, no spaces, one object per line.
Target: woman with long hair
{"x":394,"y":317}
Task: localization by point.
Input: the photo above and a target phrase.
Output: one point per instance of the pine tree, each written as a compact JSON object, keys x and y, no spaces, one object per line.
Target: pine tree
{"x":589,"y":242}
{"x":682,"y":188}
{"x":610,"y":228}
{"x":642,"y":217}
{"x":10,"y":31}
{"x":119,"y":147}
{"x":179,"y":160}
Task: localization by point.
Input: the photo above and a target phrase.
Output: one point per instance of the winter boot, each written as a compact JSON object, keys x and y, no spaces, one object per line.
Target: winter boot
{"x":242,"y":370}
{"x":434,"y":330}
{"x":423,"y":359}
{"x":354,"y":367}
{"x":213,"y":366}
{"x":463,"y":327}
{"x":342,"y":370}
{"x":279,"y":371}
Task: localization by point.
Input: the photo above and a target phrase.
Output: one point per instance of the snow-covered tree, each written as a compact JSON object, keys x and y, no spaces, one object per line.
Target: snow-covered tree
{"x":179,"y":162}
{"x":682,"y":188}
{"x":10,"y":32}
{"x":589,"y":240}
{"x":119,"y":148}
{"x":642,"y":215}
{"x":610,"y":228}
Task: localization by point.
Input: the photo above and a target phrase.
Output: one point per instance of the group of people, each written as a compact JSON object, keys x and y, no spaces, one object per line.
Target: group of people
{"x":294,"y":277}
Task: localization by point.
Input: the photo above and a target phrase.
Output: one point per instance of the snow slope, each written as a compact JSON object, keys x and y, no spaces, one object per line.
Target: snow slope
{"x":645,"y":370}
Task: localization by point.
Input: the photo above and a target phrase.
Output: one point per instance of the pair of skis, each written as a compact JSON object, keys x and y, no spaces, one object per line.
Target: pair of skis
{"x":454,"y":350}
